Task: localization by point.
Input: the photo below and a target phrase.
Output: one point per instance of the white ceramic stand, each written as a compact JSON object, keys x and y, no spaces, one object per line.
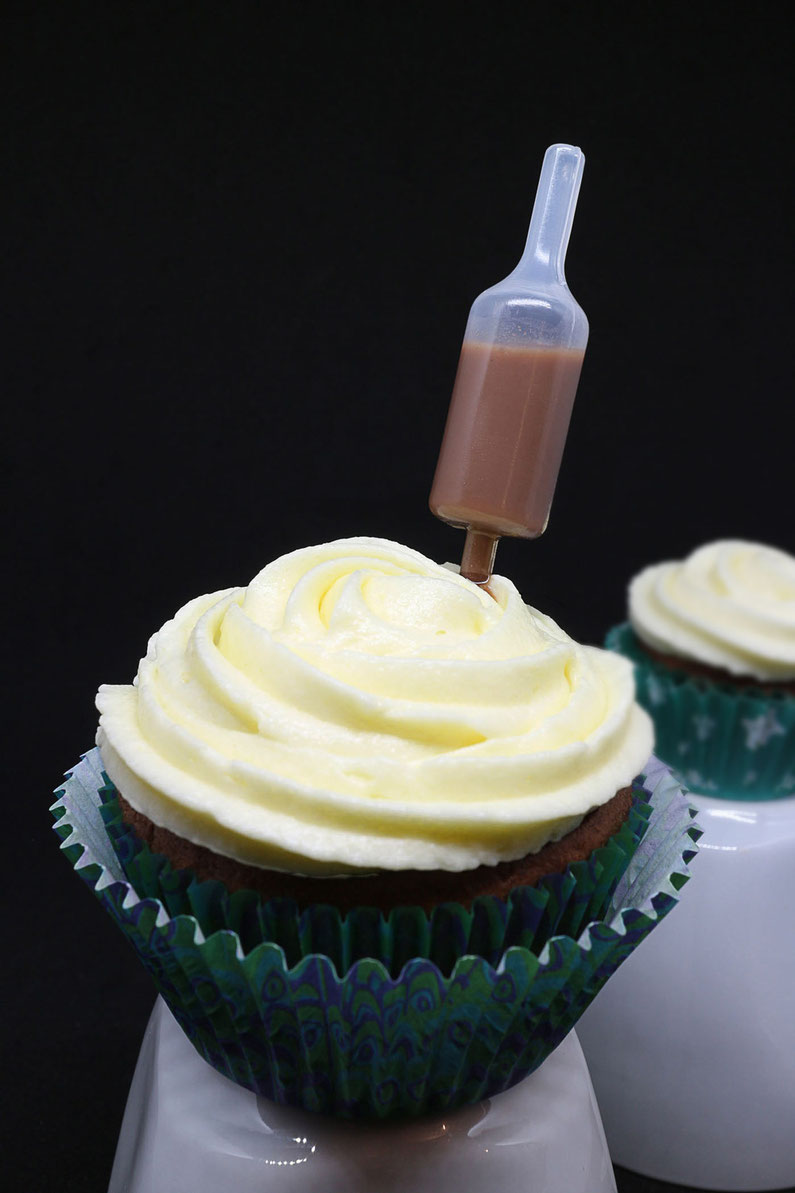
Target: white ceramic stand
{"x":187,"y":1129}
{"x":691,"y":1045}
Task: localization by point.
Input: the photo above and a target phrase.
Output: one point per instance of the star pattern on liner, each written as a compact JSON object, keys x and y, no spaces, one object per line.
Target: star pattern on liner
{"x":759,"y":730}
{"x":683,"y":747}
{"x":786,"y":782}
{"x":749,"y":777}
{"x":703,"y":725}
{"x":655,"y":690}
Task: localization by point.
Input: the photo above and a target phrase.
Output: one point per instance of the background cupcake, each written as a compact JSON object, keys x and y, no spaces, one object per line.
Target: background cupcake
{"x":358,"y":710}
{"x":696,"y":1034}
{"x":713,"y":643}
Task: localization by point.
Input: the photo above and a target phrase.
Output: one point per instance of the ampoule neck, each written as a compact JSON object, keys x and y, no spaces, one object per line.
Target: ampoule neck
{"x":544,"y":256}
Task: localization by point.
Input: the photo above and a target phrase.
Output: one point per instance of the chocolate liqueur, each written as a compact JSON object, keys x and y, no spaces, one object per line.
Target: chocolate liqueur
{"x":504,"y":439}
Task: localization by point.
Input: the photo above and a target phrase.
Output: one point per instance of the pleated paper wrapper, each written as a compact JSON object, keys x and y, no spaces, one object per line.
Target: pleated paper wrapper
{"x":722,"y":739}
{"x":371,"y":1016}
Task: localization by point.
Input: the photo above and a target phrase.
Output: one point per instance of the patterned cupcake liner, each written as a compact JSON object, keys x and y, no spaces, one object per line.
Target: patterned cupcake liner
{"x":378,"y":1036}
{"x":559,"y":905}
{"x":723,"y":740}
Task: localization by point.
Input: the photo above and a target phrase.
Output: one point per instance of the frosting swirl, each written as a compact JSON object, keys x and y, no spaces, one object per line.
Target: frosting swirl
{"x":731,"y":604}
{"x":359,"y":707}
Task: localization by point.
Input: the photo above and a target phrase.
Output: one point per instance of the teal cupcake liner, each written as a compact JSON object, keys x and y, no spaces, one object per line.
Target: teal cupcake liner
{"x":559,"y":905}
{"x":722,"y":739}
{"x":375,"y":1036}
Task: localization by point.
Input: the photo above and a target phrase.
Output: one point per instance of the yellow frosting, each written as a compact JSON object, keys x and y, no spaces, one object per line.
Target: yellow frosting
{"x":730,"y":604}
{"x":359,"y":707}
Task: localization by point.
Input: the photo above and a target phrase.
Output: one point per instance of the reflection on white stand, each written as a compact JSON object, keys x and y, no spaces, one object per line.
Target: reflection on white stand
{"x":187,"y":1129}
{"x":691,"y":1045}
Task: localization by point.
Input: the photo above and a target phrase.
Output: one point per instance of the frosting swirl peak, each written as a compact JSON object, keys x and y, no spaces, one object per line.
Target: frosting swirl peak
{"x":358,"y":707}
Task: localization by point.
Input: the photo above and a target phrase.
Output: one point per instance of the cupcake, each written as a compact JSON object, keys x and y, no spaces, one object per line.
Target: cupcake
{"x":712,"y":640}
{"x":378,"y":835}
{"x":713,"y":643}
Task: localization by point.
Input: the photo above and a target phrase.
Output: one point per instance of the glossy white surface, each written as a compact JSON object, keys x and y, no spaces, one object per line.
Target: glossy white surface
{"x":691,"y":1045}
{"x":187,"y":1129}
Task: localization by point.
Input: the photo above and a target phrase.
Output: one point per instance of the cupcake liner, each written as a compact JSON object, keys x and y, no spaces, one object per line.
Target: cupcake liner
{"x":723,"y":740}
{"x":558,"y":904}
{"x":378,"y":1036}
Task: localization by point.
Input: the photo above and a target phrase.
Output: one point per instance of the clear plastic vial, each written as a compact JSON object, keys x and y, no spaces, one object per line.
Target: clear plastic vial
{"x":517,"y":376}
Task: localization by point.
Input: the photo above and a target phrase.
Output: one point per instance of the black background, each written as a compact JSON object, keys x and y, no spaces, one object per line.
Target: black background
{"x":240,"y":245}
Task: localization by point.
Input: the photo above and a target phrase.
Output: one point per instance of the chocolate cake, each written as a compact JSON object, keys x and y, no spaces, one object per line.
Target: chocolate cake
{"x":719,"y":675}
{"x":388,"y":889}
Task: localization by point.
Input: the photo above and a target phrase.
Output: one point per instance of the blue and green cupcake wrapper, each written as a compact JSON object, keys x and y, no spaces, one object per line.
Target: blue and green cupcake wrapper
{"x":721,"y":739}
{"x":377,"y":1036}
{"x":559,"y":905}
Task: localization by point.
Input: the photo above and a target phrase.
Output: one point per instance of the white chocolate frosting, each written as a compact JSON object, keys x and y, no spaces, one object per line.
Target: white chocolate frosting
{"x":359,"y":707}
{"x":730,"y":604}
